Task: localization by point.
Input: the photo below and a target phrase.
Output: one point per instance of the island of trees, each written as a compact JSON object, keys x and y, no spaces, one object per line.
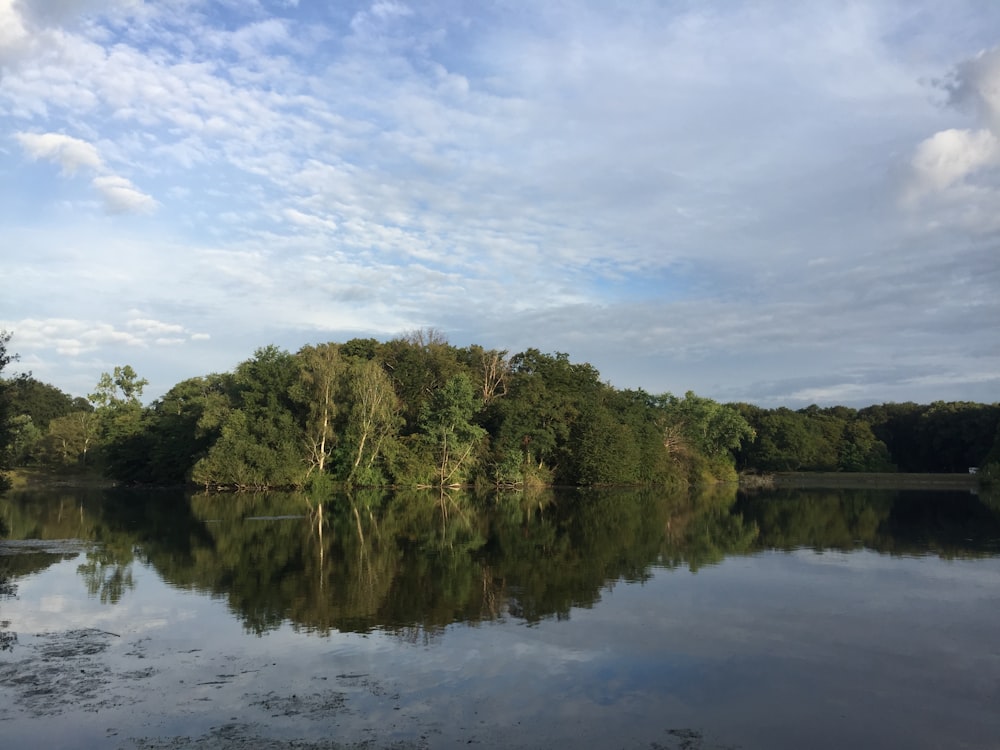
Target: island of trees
{"x":416,"y":411}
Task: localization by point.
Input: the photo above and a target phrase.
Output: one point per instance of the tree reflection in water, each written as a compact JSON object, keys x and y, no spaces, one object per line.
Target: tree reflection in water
{"x":413,"y":562}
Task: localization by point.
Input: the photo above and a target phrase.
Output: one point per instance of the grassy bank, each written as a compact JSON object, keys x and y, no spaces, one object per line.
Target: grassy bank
{"x":30,"y":479}
{"x":862,"y":480}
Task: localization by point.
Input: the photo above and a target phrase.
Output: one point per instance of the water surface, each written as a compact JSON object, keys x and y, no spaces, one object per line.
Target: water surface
{"x":626,"y":619}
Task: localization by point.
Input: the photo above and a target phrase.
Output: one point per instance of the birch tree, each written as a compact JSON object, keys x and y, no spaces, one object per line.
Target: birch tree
{"x":373,"y":419}
{"x":320,"y":374}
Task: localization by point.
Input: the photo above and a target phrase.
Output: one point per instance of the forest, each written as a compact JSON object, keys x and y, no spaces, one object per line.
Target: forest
{"x":415,"y":411}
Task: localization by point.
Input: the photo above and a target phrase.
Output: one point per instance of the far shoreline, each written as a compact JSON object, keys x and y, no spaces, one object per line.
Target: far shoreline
{"x":36,"y":479}
{"x":860,"y":480}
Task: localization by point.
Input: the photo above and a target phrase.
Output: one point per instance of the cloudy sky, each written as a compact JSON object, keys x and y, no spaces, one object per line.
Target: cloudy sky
{"x":782,"y":203}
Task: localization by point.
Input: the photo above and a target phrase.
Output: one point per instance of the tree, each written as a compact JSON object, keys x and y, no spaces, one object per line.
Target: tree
{"x":860,"y":450}
{"x":70,"y":438}
{"x":993,"y":455}
{"x":360,"y":348}
{"x":637,"y":410}
{"x":32,"y":406}
{"x":261,"y":440}
{"x":5,"y":427}
{"x":320,"y":373}
{"x":701,"y":424}
{"x":24,"y":442}
{"x":447,"y":424}
{"x":125,"y":444}
{"x":940,"y":437}
{"x":372,"y":419}
{"x":40,"y":401}
{"x":958,"y":434}
{"x":898,"y":426}
{"x":184,"y":424}
{"x":545,"y":396}
{"x":419,"y":363}
{"x":782,"y":438}
{"x":124,"y":387}
{"x":492,"y":371}
{"x":603,"y":449}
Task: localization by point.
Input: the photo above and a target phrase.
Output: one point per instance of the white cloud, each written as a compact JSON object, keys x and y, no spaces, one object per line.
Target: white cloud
{"x":309,"y":221}
{"x":954,"y":172}
{"x":121,"y":196}
{"x":69,"y":153}
{"x":69,"y":337}
{"x":14,"y":38}
{"x":250,"y":41}
{"x":149,"y":326}
{"x":74,"y":337}
{"x":948,"y":157}
{"x":118,"y":193}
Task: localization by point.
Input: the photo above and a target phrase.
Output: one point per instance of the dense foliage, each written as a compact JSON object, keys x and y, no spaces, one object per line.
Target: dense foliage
{"x":6,"y":413}
{"x":943,"y":437}
{"x":412,"y":411}
{"x":417,"y":411}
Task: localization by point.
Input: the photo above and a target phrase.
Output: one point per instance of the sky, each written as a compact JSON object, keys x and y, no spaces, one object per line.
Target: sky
{"x":773,"y":202}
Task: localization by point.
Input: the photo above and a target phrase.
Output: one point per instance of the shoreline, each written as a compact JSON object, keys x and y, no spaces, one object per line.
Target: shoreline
{"x":859,"y":480}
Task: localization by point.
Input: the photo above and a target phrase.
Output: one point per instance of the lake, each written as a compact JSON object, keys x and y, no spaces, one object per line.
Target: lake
{"x":607,"y":619}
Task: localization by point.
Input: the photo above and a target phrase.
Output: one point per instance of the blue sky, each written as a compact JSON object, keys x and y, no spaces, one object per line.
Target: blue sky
{"x":782,"y":203}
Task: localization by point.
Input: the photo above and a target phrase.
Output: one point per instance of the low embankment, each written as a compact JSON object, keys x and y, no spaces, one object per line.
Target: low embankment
{"x":861,"y":480}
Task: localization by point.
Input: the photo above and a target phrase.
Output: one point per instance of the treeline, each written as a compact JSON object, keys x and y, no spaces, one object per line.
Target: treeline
{"x":417,"y":411}
{"x":942,"y":437}
{"x":412,"y":411}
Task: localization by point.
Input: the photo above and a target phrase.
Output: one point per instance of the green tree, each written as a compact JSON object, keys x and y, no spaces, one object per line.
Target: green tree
{"x":124,"y":439}
{"x":360,"y":349}
{"x":958,"y":435}
{"x":261,"y":439}
{"x":371,"y":423}
{"x":603,"y":449}
{"x":860,"y":450}
{"x":490,"y":370}
{"x":782,"y":439}
{"x":701,"y":424}
{"x":5,"y":410}
{"x":939,"y":437}
{"x":33,"y":405}
{"x":24,"y":447}
{"x":546,"y":395}
{"x":320,"y":377}
{"x":638,"y":410}
{"x":701,"y":436}
{"x":447,"y":423}
{"x":992,"y":457}
{"x":419,"y":363}
{"x":898,"y":426}
{"x":71,"y":438}
{"x":41,"y":401}
{"x":124,"y":387}
{"x":184,"y":423}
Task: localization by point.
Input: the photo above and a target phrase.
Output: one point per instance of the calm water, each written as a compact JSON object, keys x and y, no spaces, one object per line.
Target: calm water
{"x":820,"y":619}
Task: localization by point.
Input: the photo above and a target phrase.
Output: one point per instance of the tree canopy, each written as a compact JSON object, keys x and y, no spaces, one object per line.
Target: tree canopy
{"x":6,"y":428}
{"x":417,"y":411}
